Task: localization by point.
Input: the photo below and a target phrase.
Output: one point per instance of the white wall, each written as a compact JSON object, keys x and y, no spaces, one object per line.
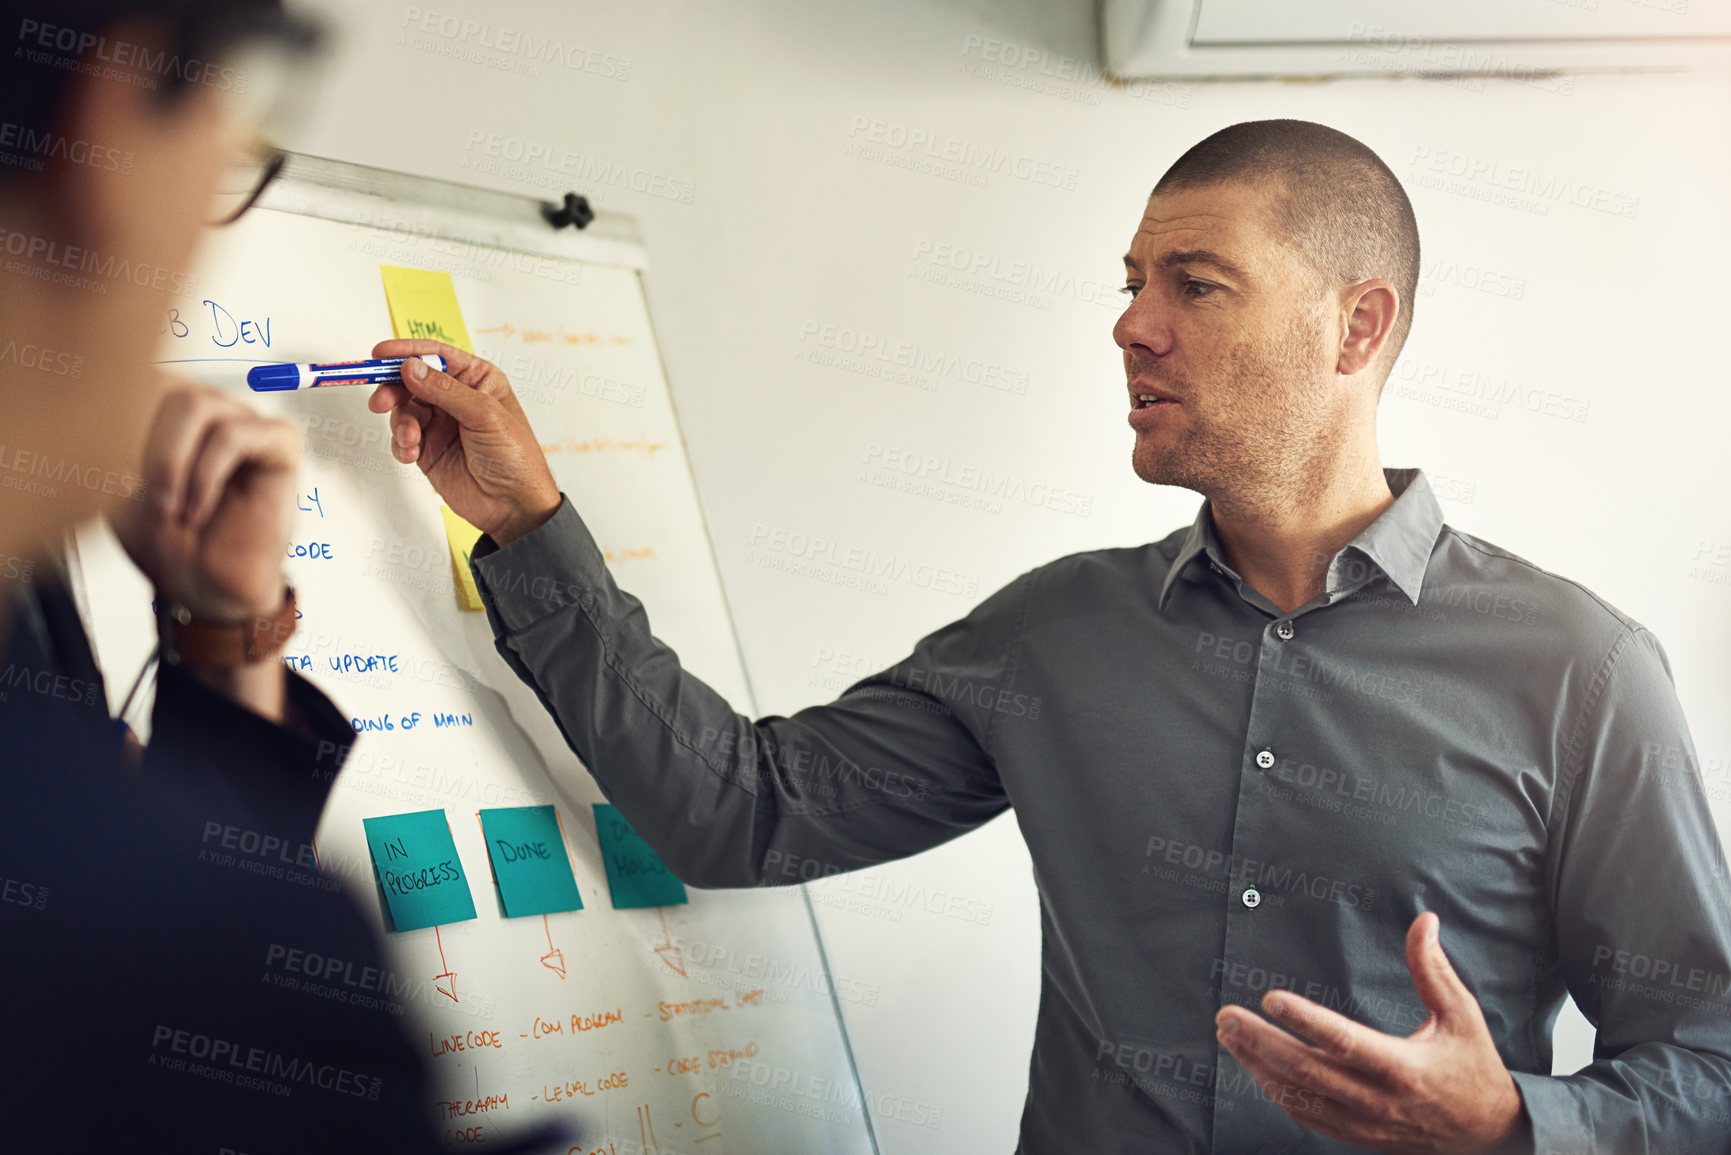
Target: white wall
{"x":752,"y":108}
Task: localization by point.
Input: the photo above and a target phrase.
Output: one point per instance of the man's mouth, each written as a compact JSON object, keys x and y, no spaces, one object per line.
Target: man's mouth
{"x":1148,"y":400}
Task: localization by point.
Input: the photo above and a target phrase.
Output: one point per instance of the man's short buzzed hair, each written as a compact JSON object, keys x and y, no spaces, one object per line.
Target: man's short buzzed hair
{"x":1341,"y":205}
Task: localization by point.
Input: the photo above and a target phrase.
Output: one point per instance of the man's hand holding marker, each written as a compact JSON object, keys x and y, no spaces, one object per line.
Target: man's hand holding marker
{"x":468,"y":433}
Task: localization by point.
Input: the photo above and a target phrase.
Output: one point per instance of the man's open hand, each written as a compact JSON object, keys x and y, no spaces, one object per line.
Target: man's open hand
{"x":1443,"y":1088}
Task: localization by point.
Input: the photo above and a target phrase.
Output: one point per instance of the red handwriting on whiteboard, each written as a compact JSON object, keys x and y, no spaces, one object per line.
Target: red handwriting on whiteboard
{"x":466,"y":1041}
{"x":572,"y":1088}
{"x":694,"y":1007}
{"x":578,"y":1023}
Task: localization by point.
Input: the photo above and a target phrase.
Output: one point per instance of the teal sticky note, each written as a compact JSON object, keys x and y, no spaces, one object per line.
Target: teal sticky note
{"x":634,"y":874}
{"x":529,"y":860}
{"x":419,"y":869}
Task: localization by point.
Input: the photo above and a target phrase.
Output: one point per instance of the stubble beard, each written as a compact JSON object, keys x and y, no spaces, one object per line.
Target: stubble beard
{"x":1265,"y":439}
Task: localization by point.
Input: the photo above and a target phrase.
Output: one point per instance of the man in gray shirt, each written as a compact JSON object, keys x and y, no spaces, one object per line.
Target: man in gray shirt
{"x":1318,"y":753}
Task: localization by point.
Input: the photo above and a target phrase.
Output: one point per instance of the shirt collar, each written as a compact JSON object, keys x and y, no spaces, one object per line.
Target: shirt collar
{"x":1399,"y":541}
{"x":1199,"y":541}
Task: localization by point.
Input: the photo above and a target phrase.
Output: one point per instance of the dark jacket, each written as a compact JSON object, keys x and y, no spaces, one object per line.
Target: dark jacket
{"x":157,"y":922}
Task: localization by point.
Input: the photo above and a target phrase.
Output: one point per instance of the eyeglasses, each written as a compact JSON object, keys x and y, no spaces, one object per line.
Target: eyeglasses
{"x":244,"y":182}
{"x":275,"y":67}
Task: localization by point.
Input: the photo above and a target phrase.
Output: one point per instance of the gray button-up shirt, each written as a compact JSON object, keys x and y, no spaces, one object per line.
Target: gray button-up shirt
{"x":1221,"y":799}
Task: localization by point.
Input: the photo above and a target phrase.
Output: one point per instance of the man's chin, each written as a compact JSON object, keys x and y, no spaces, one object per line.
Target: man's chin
{"x":1162,"y":469}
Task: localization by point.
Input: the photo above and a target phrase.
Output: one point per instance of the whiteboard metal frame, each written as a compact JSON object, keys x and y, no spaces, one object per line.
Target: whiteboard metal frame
{"x":356,"y":194}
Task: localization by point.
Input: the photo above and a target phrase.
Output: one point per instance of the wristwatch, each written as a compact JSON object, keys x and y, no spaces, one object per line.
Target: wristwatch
{"x":203,"y":642}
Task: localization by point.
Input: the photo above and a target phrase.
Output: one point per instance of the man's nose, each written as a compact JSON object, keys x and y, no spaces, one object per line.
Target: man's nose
{"x":1141,"y":323}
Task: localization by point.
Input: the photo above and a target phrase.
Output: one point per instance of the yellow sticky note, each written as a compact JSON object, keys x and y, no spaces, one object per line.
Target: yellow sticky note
{"x":424,"y":304}
{"x":462,"y":537}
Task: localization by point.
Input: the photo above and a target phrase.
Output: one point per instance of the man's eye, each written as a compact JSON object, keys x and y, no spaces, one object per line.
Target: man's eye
{"x":1130,"y":291}
{"x":1195,"y":288}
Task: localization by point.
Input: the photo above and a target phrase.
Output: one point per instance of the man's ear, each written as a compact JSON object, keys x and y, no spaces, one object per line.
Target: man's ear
{"x":1369,"y":310}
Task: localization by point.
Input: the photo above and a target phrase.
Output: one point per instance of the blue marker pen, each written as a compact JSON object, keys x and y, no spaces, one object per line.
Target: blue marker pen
{"x":277,"y":378}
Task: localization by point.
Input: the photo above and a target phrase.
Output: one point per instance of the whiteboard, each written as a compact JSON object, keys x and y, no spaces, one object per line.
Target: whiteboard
{"x":711,"y":1027}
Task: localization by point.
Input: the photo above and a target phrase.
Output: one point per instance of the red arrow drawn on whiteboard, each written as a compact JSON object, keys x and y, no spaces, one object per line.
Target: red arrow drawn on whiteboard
{"x":448,"y":973}
{"x":554,"y":959}
{"x":677,"y":960}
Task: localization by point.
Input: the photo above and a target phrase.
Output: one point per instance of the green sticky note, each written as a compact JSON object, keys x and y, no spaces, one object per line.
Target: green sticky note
{"x":529,"y":860}
{"x":634,"y":874}
{"x":419,"y":869}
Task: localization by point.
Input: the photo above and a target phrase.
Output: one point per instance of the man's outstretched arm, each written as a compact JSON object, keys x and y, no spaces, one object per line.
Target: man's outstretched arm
{"x":889,"y":769}
{"x":885,"y":771}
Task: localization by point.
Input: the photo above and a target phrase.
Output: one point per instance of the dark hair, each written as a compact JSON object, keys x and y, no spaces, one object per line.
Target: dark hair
{"x":54,"y":41}
{"x":1340,"y":205}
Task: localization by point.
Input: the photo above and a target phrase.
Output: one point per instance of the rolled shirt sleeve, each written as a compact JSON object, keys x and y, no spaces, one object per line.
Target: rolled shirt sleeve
{"x":888,"y":769}
{"x":1638,"y":886}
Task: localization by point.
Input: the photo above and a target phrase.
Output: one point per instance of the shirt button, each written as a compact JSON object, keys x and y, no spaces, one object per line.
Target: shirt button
{"x":1283,"y":631}
{"x":1265,"y":758}
{"x":1252,"y":898}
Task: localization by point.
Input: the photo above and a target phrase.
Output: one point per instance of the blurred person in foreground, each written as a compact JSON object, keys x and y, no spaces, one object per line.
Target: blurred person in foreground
{"x":1317,"y":752}
{"x":155,"y":902}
